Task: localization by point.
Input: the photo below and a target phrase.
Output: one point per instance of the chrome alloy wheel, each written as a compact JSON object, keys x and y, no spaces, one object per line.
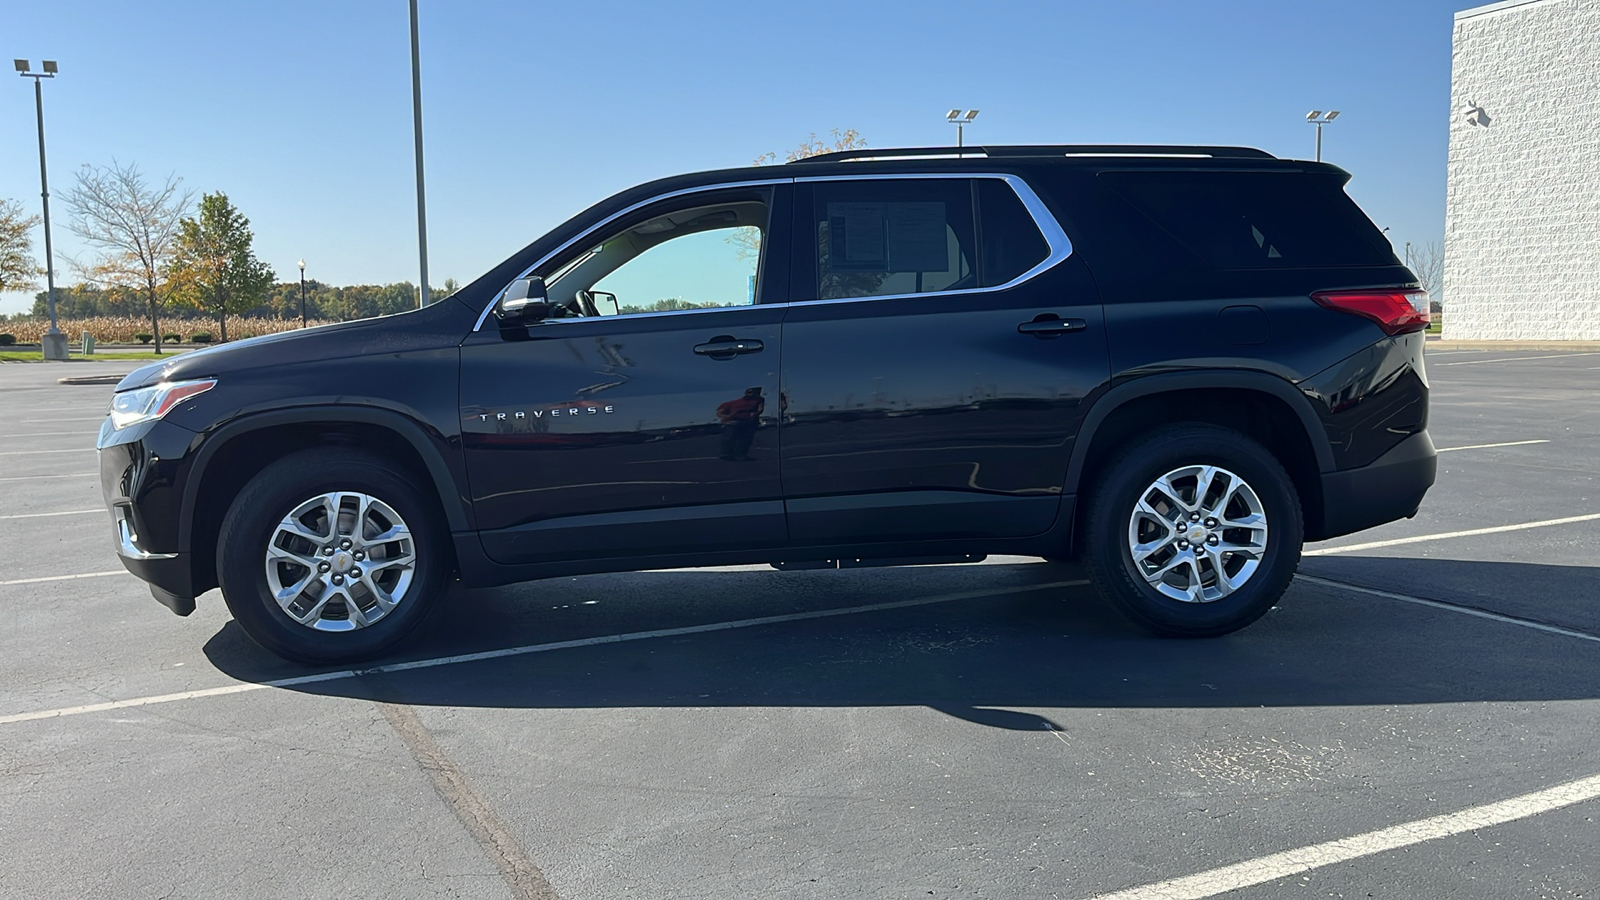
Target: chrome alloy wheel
{"x":340,"y":561}
{"x":1197,"y":533}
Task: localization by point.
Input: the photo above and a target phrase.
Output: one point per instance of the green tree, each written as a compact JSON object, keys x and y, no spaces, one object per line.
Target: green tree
{"x":79,"y":301}
{"x":214,"y":268}
{"x":17,"y":267}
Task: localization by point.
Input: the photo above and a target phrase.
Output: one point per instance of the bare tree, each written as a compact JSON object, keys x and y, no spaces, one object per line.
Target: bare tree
{"x":1426,"y":261}
{"x":747,"y":239}
{"x":134,"y":225}
{"x":848,"y":139}
{"x":17,"y":266}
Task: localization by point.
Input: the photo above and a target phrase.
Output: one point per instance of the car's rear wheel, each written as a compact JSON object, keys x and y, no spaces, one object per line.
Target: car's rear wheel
{"x":330,"y":557}
{"x":1195,"y":531}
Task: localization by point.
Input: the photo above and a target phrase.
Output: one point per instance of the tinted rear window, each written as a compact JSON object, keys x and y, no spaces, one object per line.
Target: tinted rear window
{"x":1011,"y":240}
{"x":1257,"y":220}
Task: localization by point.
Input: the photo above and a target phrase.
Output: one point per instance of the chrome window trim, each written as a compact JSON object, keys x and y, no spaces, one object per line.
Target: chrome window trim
{"x":566,"y":245}
{"x":1054,"y":237}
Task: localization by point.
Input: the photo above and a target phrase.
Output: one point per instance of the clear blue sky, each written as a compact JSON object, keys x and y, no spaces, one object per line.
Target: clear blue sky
{"x":301,"y":111}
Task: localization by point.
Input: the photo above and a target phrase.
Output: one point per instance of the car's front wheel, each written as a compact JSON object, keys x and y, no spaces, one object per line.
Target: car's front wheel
{"x":330,"y":557}
{"x":1194,"y":532}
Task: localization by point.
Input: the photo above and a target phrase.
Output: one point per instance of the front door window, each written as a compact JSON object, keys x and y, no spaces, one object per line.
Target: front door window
{"x":701,"y":257}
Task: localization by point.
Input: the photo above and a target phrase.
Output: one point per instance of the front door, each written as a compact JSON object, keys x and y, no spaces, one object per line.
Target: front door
{"x":934,"y":385}
{"x":641,"y":418}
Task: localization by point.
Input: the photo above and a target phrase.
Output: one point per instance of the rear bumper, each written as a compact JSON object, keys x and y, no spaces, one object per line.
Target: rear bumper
{"x":1390,"y":488}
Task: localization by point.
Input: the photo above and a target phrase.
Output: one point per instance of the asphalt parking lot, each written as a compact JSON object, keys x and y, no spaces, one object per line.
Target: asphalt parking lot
{"x":960,"y":731}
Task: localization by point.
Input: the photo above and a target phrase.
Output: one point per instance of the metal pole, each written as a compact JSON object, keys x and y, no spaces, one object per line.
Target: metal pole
{"x":416,"y":114}
{"x":959,"y":136}
{"x":44,"y":191}
{"x":1319,"y":142}
{"x":302,"y":298}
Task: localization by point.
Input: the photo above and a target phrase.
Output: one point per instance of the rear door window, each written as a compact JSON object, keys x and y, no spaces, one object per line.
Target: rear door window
{"x":892,"y":237}
{"x":883,"y":238}
{"x":1257,"y":220}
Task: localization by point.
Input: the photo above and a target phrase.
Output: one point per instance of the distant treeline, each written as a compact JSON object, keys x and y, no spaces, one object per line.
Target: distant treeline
{"x":323,"y":301}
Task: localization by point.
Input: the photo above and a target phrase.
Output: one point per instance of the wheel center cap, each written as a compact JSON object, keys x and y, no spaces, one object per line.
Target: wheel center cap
{"x":1196,"y":535}
{"x":342,"y":562}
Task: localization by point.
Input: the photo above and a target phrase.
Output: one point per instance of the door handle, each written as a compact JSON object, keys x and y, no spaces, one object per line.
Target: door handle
{"x":1049,"y":325}
{"x":726,"y":346}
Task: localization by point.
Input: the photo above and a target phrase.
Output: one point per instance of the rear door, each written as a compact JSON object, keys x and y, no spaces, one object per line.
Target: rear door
{"x":643,"y":418}
{"x":936,"y":360}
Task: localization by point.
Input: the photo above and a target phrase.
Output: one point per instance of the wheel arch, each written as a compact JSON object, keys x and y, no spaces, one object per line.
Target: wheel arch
{"x":1262,"y":406}
{"x":234,"y":453}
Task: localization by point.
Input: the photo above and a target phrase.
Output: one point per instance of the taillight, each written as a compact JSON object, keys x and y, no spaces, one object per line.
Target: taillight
{"x":1396,"y":312}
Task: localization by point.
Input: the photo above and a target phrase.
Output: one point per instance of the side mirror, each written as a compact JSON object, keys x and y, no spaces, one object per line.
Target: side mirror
{"x":524,"y":301}
{"x":605,"y":302}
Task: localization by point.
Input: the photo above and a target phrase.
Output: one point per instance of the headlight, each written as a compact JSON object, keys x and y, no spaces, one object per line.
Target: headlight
{"x":151,"y":403}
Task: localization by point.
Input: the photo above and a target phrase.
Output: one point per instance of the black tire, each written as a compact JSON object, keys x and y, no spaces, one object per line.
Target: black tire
{"x":276,"y":491}
{"x":1110,"y":509}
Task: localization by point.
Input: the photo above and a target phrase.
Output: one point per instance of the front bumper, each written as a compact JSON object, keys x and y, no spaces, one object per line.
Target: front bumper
{"x":1389,"y":488}
{"x":141,"y":478}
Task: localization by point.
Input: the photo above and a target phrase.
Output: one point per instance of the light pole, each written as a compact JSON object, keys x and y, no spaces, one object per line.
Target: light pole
{"x":960,"y":119}
{"x":54,"y":343}
{"x":1318,"y":118}
{"x":302,"y":293}
{"x":416,"y":117}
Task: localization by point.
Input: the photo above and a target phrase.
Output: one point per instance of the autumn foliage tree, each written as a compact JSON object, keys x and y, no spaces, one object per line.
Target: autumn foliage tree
{"x":213,"y":266}
{"x":848,"y":139}
{"x":17,"y":268}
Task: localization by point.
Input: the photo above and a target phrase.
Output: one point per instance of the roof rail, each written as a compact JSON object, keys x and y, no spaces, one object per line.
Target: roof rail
{"x":1043,"y":150}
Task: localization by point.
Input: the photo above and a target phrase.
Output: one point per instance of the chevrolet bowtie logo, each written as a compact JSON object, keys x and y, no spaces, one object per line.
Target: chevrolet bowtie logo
{"x":566,"y":411}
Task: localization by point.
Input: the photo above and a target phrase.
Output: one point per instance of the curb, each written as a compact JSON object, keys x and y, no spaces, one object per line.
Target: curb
{"x":91,"y":379}
{"x":1437,"y":344}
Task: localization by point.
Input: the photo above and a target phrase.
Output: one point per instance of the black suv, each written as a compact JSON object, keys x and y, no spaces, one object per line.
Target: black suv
{"x":1176,"y":363}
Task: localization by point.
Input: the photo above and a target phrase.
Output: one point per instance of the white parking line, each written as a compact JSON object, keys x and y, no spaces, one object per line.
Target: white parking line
{"x":517,"y":651}
{"x":74,"y":419}
{"x":32,"y":477}
{"x":1479,"y":362}
{"x":34,"y":434}
{"x":70,"y":512}
{"x":1455,"y":608}
{"x":62,"y":577}
{"x":1487,"y":446}
{"x":61,"y":450}
{"x":1417,"y":539}
{"x":1304,"y":859}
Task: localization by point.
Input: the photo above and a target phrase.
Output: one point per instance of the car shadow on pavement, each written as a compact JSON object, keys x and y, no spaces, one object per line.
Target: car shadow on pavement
{"x":986,"y":659}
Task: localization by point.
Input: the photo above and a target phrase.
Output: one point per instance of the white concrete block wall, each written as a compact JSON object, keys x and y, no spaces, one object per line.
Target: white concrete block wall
{"x":1522,"y":214}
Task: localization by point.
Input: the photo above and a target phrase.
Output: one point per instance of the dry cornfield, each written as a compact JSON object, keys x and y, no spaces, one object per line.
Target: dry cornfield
{"x":122,"y":329}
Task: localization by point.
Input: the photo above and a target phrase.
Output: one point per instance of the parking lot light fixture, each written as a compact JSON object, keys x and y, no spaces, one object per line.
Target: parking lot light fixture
{"x":54,"y":343}
{"x":960,"y":119}
{"x":1319,"y":118}
{"x":302,"y":265}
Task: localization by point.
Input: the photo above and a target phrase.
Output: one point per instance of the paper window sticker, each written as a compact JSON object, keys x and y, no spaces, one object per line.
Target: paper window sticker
{"x":856,"y":239}
{"x":918,"y":239}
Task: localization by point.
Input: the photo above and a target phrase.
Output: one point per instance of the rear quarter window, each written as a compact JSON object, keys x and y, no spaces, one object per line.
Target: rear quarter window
{"x":1257,"y":220}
